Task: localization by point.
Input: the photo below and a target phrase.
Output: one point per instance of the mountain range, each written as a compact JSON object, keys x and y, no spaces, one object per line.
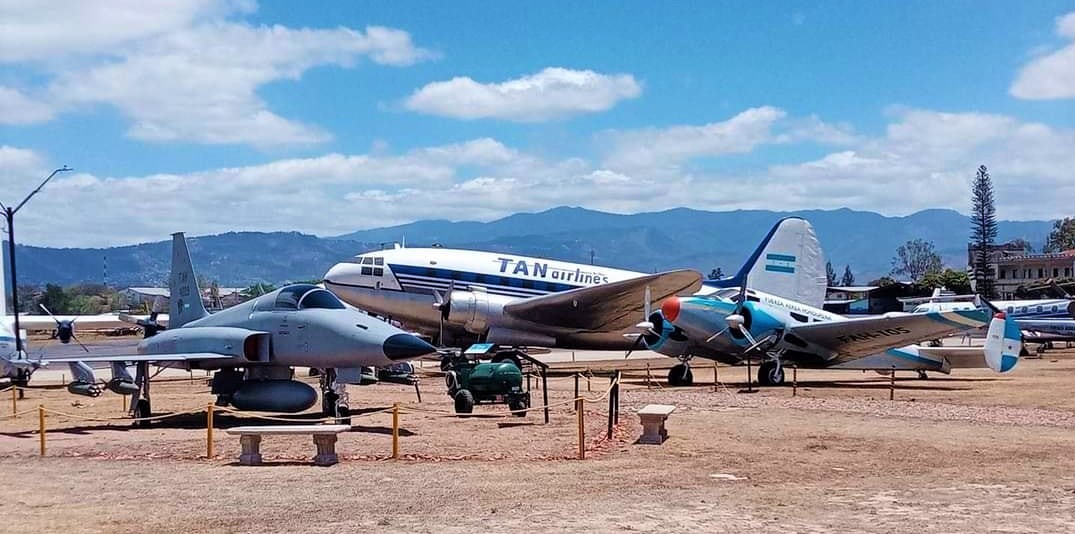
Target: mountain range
{"x":675,"y":238}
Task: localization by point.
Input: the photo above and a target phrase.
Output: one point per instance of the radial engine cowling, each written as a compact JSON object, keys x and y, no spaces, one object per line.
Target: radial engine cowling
{"x":665,"y":337}
{"x":476,"y":310}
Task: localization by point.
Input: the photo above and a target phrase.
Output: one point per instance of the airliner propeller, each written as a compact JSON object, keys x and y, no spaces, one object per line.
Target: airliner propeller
{"x":65,"y":330}
{"x":739,"y":321}
{"x":645,"y":327}
{"x":443,"y":303}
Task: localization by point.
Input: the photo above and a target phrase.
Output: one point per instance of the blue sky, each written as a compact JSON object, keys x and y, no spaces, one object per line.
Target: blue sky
{"x":211,"y":116}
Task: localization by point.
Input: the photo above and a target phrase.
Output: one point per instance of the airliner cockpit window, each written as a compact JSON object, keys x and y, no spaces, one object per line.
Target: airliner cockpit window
{"x":320,"y":299}
{"x":377,"y":260}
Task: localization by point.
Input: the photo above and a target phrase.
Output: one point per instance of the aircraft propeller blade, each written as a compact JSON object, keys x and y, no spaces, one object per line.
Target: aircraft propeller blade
{"x":50,"y":314}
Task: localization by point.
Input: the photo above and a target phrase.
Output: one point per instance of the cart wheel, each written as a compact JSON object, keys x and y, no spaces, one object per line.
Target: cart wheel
{"x":518,"y":403}
{"x":464,"y":401}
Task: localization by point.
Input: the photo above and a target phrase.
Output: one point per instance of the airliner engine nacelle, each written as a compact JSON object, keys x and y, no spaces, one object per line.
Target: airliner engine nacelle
{"x":664,"y":337}
{"x":477,"y":310}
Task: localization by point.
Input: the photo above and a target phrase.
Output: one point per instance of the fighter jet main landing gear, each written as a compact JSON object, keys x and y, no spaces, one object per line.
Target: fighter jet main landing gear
{"x":770,"y":373}
{"x":680,"y":374}
{"x":334,"y":398}
{"x":140,"y":405}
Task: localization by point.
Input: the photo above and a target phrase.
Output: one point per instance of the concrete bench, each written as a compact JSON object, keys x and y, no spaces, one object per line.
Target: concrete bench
{"x":653,"y":417}
{"x":324,"y":439}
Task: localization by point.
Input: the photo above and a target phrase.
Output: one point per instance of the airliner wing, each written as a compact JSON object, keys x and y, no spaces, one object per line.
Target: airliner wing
{"x":606,"y":307}
{"x":857,"y":338}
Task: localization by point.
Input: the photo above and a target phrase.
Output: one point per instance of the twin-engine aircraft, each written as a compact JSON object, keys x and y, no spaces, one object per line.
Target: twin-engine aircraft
{"x":464,"y":296}
{"x":254,"y":347}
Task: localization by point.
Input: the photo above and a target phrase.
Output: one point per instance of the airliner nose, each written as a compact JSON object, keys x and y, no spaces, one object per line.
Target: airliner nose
{"x":341,"y":272}
{"x":670,"y":308}
{"x":406,"y":346}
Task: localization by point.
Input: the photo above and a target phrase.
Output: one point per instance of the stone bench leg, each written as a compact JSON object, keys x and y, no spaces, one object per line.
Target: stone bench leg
{"x":251,"y":453}
{"x":326,"y":449}
{"x":653,"y":430}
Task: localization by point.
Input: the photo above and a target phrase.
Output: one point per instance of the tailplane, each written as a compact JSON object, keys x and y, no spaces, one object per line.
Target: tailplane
{"x":788,"y":263}
{"x":1003,"y":343}
{"x":185,"y":300}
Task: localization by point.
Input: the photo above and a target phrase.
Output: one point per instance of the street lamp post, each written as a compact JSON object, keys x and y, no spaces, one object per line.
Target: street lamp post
{"x":9,"y":215}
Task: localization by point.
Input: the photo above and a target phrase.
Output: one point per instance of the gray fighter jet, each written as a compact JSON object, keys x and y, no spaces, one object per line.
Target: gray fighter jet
{"x":255,"y":346}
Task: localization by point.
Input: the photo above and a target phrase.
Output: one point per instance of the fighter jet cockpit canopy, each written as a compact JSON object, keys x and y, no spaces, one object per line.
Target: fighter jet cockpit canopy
{"x":306,"y":297}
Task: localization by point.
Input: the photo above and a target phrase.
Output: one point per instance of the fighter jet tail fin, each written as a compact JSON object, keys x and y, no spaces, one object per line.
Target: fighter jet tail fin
{"x":185,"y":302}
{"x":788,"y":263}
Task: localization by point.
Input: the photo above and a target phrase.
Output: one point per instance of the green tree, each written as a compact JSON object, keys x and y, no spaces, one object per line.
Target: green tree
{"x":848,"y":279}
{"x":915,"y":258}
{"x":830,"y":274}
{"x":983,"y":230}
{"x":882,"y":282}
{"x":953,"y":280}
{"x":1062,"y":237}
{"x":54,"y":298}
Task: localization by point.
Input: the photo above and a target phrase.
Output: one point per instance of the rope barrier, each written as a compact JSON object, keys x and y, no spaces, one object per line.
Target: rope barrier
{"x":285,"y":419}
{"x":16,"y":414}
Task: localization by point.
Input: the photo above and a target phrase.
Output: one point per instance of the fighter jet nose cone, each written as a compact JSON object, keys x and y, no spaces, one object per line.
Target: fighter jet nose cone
{"x":670,"y":308}
{"x":406,"y":346}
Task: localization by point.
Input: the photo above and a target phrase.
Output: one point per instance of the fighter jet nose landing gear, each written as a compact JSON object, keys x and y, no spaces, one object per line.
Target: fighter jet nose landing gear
{"x":334,"y":398}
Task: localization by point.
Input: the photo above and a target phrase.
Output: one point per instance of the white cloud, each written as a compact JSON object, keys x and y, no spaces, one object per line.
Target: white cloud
{"x":674,"y":145}
{"x":17,"y":108}
{"x":550,"y":94}
{"x":1051,"y":76}
{"x":924,"y":159}
{"x":187,"y":73}
{"x":53,"y":29}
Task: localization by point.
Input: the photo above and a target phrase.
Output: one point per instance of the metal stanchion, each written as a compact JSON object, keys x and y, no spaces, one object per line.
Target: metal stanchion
{"x":892,"y":384}
{"x":580,"y":405}
{"x":576,"y":385}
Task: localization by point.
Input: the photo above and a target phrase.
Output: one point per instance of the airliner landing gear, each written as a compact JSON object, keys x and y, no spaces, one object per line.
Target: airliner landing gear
{"x":334,"y":398}
{"x":770,"y":373}
{"x":680,"y":374}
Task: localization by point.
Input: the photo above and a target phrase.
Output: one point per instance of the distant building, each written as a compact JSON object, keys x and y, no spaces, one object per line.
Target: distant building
{"x":866,"y":300}
{"x":1015,"y":270}
{"x":145,"y":296}
{"x":1016,"y":274}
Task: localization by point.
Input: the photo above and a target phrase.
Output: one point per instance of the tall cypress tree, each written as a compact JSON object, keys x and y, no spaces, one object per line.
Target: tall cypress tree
{"x":983,"y":230}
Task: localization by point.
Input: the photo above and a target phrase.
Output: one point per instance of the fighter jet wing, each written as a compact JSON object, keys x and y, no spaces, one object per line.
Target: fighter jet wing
{"x":606,"y":307}
{"x":184,"y":357}
{"x":856,"y":338}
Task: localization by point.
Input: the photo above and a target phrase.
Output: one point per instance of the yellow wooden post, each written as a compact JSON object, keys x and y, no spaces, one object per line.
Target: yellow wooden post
{"x":580,"y":405}
{"x":14,"y":401}
{"x":395,"y":431}
{"x":209,"y":431}
{"x":715,"y":380}
{"x":794,"y":380}
{"x":124,"y":402}
{"x":649,"y":377}
{"x":41,"y":426}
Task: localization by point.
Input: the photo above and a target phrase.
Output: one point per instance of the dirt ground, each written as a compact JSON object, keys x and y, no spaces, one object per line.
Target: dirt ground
{"x":972,"y":452}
